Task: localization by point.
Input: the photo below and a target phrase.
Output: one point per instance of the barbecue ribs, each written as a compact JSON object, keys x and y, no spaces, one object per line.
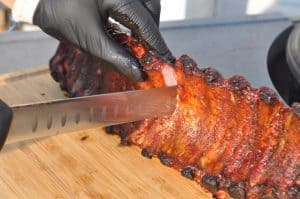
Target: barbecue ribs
{"x":225,"y":135}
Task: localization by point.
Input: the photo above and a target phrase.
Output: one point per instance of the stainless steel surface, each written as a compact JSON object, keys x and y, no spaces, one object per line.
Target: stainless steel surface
{"x":69,"y":115}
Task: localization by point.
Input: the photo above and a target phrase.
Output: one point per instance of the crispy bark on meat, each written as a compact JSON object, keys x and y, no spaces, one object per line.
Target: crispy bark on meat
{"x":225,"y":135}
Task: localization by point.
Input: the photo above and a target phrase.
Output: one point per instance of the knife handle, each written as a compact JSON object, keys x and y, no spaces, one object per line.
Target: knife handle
{"x":6,"y":115}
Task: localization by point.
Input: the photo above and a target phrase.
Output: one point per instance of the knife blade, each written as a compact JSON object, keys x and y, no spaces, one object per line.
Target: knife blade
{"x":69,"y":115}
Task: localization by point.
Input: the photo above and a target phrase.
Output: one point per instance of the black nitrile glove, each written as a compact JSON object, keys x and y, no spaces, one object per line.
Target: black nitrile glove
{"x":83,"y":23}
{"x":5,"y":121}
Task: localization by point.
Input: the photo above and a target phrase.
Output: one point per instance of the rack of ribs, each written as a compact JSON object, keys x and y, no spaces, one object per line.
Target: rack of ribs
{"x":230,"y":138}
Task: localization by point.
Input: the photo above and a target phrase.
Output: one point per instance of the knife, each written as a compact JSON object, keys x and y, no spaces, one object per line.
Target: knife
{"x":29,"y":121}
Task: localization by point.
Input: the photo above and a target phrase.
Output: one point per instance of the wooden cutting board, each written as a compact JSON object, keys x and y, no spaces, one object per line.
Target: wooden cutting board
{"x":87,"y":164}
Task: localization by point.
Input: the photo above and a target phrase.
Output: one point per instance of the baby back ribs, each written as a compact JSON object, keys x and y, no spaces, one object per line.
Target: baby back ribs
{"x":225,"y":135}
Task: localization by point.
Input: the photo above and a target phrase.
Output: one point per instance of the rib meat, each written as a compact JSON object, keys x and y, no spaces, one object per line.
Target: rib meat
{"x":225,"y":135}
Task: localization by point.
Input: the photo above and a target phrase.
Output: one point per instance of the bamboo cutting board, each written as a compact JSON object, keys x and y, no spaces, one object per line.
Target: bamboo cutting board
{"x":87,"y":164}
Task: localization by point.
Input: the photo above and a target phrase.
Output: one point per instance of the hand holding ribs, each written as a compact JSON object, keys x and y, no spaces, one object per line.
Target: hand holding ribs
{"x":225,"y":135}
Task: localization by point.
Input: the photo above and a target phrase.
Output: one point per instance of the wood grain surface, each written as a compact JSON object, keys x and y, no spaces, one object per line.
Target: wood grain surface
{"x":87,"y":164}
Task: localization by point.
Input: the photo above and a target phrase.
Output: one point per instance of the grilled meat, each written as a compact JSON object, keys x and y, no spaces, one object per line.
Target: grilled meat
{"x":228,"y":137}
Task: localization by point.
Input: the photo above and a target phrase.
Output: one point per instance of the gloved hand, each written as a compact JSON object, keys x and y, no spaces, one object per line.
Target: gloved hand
{"x":5,"y":121}
{"x":83,"y":23}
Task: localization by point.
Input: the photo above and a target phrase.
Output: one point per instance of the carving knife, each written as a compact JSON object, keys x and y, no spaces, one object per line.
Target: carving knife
{"x":44,"y":119}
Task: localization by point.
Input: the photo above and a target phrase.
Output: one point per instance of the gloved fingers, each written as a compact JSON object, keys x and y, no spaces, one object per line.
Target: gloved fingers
{"x":104,"y":47}
{"x":135,"y":16}
{"x":154,"y":8}
{"x":5,"y":121}
{"x":123,"y":61}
